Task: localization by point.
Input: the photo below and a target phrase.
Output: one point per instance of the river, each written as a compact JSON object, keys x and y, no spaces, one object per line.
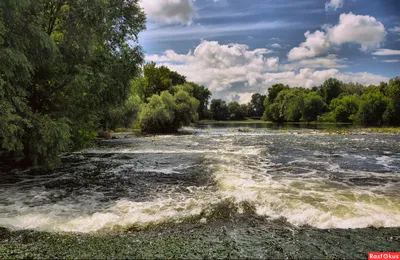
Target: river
{"x":303,"y":176}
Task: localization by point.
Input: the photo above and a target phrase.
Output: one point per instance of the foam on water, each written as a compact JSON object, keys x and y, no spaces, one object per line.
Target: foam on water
{"x":281,"y":175}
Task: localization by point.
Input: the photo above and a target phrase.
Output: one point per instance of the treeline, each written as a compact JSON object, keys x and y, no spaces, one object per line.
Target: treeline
{"x":333,"y":101}
{"x":221,"y":111}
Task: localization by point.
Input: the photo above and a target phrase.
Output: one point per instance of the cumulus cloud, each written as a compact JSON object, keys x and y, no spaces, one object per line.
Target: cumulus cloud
{"x":241,"y":98}
{"x":386,"y":52}
{"x":234,"y":72}
{"x":219,"y":66}
{"x":308,"y":77}
{"x":333,"y":5}
{"x":395,"y":29}
{"x":360,"y":29}
{"x":316,"y":43}
{"x":169,"y":11}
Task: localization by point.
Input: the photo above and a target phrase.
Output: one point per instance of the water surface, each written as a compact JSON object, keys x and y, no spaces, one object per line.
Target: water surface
{"x":307,"y":177}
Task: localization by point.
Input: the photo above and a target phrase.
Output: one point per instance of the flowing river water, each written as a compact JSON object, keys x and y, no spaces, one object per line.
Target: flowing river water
{"x":306,"y":177}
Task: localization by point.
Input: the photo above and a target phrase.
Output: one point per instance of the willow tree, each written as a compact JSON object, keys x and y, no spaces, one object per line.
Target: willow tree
{"x":63,"y":64}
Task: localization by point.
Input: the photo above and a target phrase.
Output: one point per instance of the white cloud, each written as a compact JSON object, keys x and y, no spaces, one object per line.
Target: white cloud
{"x":276,"y":46}
{"x":275,"y":39}
{"x":386,"y":52}
{"x":333,"y":5}
{"x":234,"y":71}
{"x":316,"y":43}
{"x":198,"y":31}
{"x":395,"y":29}
{"x":241,"y":98}
{"x":391,"y":61}
{"x":309,"y":77}
{"x":169,"y":11}
{"x":330,"y":61}
{"x":360,"y":29}
{"x":219,"y":66}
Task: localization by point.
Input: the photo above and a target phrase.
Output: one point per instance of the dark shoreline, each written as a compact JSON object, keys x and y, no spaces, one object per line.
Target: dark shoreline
{"x":241,"y":237}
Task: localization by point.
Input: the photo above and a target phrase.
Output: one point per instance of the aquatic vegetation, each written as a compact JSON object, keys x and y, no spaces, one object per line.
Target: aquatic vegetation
{"x":384,"y":130}
{"x":245,"y":130}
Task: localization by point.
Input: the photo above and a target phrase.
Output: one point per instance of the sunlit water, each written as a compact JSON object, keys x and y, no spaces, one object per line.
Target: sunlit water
{"x":309,"y":178}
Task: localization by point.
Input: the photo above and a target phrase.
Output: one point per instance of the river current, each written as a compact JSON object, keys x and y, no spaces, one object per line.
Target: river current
{"x":304,"y":176}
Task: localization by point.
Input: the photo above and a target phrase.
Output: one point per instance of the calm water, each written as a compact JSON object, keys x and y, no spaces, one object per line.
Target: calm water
{"x":309,"y":178}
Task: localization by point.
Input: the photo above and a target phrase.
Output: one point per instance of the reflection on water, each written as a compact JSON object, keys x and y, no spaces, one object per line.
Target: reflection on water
{"x":326,"y":181}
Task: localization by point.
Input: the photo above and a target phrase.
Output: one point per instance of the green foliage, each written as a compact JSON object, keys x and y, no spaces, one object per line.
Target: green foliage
{"x":313,"y":106}
{"x":63,"y":66}
{"x":219,"y":110}
{"x":344,"y":108}
{"x":272,"y":113}
{"x":237,"y":111}
{"x":48,"y":139}
{"x":123,"y":116}
{"x":287,"y":106}
{"x":335,"y":101}
{"x":392,"y":114}
{"x":256,"y":108}
{"x":371,"y":109}
{"x":201,"y":93}
{"x":352,"y":88}
{"x":331,"y":89}
{"x":156,"y":80}
{"x":166,"y":113}
{"x":274,"y":91}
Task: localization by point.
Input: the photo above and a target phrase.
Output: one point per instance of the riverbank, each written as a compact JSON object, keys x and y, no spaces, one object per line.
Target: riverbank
{"x":241,"y":237}
{"x":326,"y":127}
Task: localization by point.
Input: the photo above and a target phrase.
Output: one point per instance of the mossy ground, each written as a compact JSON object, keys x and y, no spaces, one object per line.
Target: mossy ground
{"x":241,"y":237}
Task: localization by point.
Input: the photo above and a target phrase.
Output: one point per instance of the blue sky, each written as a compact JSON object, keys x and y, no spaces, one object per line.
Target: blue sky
{"x":237,"y":47}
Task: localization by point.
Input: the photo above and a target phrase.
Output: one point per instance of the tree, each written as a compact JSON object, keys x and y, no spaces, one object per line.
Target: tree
{"x":237,"y":111}
{"x":313,"y":106}
{"x":344,"y":108}
{"x":274,"y":91}
{"x":63,"y":65}
{"x":331,"y":89}
{"x":201,"y":93}
{"x":287,"y":106}
{"x":371,"y":109}
{"x":257,"y":105}
{"x":273,"y":113}
{"x":166,"y":113}
{"x":156,"y":80}
{"x":219,"y":110}
{"x":124,"y":115}
{"x":392,"y":113}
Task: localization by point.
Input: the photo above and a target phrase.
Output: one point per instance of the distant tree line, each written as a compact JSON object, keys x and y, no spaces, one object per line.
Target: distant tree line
{"x":221,"y":111}
{"x":333,"y":101}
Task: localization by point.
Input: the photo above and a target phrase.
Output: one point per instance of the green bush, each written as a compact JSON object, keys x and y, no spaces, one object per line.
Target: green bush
{"x":372,"y":107}
{"x":166,"y":113}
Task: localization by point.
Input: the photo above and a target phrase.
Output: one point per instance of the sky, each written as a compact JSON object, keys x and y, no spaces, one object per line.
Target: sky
{"x":240,"y":47}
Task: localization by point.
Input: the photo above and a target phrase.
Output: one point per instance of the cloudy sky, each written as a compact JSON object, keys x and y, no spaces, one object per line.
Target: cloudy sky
{"x":239,"y":47}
